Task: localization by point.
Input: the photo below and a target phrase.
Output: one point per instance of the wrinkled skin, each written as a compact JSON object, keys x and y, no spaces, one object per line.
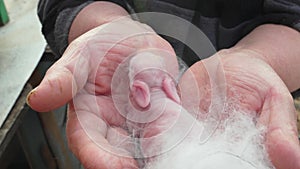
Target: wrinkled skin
{"x":91,"y":60}
{"x":258,"y":86}
{"x":247,"y":81}
{"x":254,"y":86}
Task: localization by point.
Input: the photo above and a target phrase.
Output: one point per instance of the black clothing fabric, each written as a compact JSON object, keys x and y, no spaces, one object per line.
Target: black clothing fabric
{"x":223,"y":21}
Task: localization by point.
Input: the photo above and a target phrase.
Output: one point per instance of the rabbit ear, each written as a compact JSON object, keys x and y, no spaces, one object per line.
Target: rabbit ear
{"x":141,"y":93}
{"x":170,"y":89}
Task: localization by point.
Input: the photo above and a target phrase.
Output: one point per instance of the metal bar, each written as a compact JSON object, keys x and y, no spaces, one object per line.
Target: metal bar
{"x":14,"y":119}
{"x":34,"y":143}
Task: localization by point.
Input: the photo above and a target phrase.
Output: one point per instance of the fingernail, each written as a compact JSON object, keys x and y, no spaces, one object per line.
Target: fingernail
{"x":32,"y":92}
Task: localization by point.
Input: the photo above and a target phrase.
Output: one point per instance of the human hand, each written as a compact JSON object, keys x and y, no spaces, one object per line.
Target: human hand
{"x":255,"y":86}
{"x":82,"y":77}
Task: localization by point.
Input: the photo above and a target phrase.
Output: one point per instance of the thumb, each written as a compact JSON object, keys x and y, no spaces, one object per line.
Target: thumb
{"x":282,"y":143}
{"x":60,"y":84}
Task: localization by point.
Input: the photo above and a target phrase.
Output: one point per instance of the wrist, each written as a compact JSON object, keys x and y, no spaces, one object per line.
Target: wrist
{"x":277,"y":45}
{"x":94,"y":15}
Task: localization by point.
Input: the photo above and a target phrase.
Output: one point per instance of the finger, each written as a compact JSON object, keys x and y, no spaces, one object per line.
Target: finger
{"x":278,"y":114}
{"x":102,"y":107}
{"x":60,"y":83}
{"x":121,"y":140}
{"x":96,"y":153}
{"x":194,"y":90}
{"x":100,"y":124}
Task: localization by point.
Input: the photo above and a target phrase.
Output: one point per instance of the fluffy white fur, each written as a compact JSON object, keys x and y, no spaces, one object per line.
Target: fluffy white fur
{"x":235,"y":144}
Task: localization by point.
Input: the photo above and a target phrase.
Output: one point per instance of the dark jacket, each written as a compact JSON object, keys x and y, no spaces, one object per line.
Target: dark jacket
{"x":223,"y":21}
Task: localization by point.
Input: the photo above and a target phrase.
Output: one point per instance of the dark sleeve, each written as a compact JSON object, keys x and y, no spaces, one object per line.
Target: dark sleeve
{"x":56,"y":17}
{"x":239,"y":18}
{"x":286,"y":12}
